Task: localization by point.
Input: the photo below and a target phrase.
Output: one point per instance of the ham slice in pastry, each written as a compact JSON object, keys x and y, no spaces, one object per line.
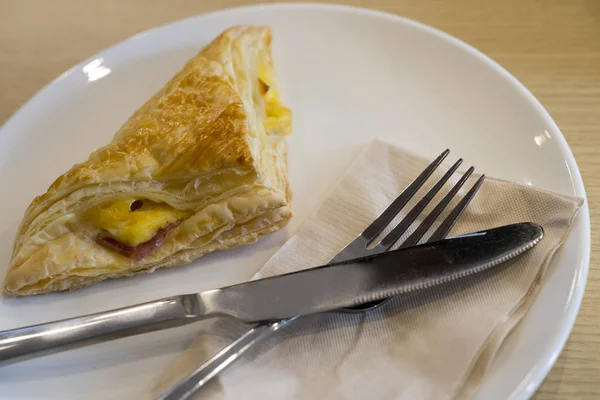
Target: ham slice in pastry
{"x":201,"y":166}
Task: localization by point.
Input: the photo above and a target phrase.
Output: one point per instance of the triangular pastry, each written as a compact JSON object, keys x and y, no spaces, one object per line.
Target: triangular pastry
{"x":201,"y":166}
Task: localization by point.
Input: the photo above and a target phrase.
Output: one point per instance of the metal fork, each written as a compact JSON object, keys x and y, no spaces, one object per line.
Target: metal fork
{"x":359,"y":247}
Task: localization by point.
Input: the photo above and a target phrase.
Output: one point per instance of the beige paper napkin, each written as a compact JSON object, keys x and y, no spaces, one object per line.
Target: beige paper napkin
{"x":432,"y":345}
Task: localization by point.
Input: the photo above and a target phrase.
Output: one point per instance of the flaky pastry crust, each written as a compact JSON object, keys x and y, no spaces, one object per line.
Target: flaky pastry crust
{"x":201,"y":144}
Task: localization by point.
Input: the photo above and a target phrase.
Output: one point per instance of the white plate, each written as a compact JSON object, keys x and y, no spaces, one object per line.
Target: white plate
{"x":350,"y":75}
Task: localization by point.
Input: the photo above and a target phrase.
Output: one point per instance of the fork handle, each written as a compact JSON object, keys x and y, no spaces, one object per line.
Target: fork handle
{"x":28,"y":342}
{"x":205,"y":372}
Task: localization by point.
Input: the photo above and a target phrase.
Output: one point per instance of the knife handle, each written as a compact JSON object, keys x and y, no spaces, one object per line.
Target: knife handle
{"x":23,"y":343}
{"x":205,"y":372}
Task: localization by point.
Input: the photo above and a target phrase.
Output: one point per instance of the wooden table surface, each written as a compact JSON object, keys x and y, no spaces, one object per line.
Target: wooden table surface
{"x":552,"y":46}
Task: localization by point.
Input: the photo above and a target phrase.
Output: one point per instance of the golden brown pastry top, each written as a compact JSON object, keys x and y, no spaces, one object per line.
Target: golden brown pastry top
{"x":206,"y":156}
{"x":201,"y":121}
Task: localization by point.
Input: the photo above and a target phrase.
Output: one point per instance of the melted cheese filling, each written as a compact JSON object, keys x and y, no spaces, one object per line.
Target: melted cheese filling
{"x":133,"y":225}
{"x":278,"y":118}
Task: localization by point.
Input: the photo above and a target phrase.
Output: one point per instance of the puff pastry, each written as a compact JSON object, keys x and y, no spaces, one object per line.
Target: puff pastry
{"x":201,"y":166}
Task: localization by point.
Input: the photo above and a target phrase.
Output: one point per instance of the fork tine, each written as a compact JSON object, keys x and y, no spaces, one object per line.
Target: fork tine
{"x":388,"y":215}
{"x":399,"y":230}
{"x":435,"y":213}
{"x":442,"y":231}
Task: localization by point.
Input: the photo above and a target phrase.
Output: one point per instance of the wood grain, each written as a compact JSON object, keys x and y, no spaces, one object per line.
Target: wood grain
{"x":552,"y":46}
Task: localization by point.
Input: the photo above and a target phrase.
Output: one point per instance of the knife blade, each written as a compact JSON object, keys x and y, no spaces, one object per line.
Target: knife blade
{"x":309,"y":291}
{"x":371,"y":278}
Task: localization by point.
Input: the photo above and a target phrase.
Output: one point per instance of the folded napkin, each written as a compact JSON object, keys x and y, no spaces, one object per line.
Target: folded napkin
{"x":431,"y":345}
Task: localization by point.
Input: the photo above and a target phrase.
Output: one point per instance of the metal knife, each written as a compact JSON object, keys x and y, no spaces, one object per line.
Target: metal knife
{"x":310,"y":291}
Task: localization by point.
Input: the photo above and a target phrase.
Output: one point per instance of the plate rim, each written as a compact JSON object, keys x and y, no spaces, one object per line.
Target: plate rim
{"x":557,"y":341}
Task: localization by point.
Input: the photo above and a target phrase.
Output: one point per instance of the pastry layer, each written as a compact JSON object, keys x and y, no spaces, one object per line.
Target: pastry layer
{"x":205,"y":159}
{"x":74,"y":257}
